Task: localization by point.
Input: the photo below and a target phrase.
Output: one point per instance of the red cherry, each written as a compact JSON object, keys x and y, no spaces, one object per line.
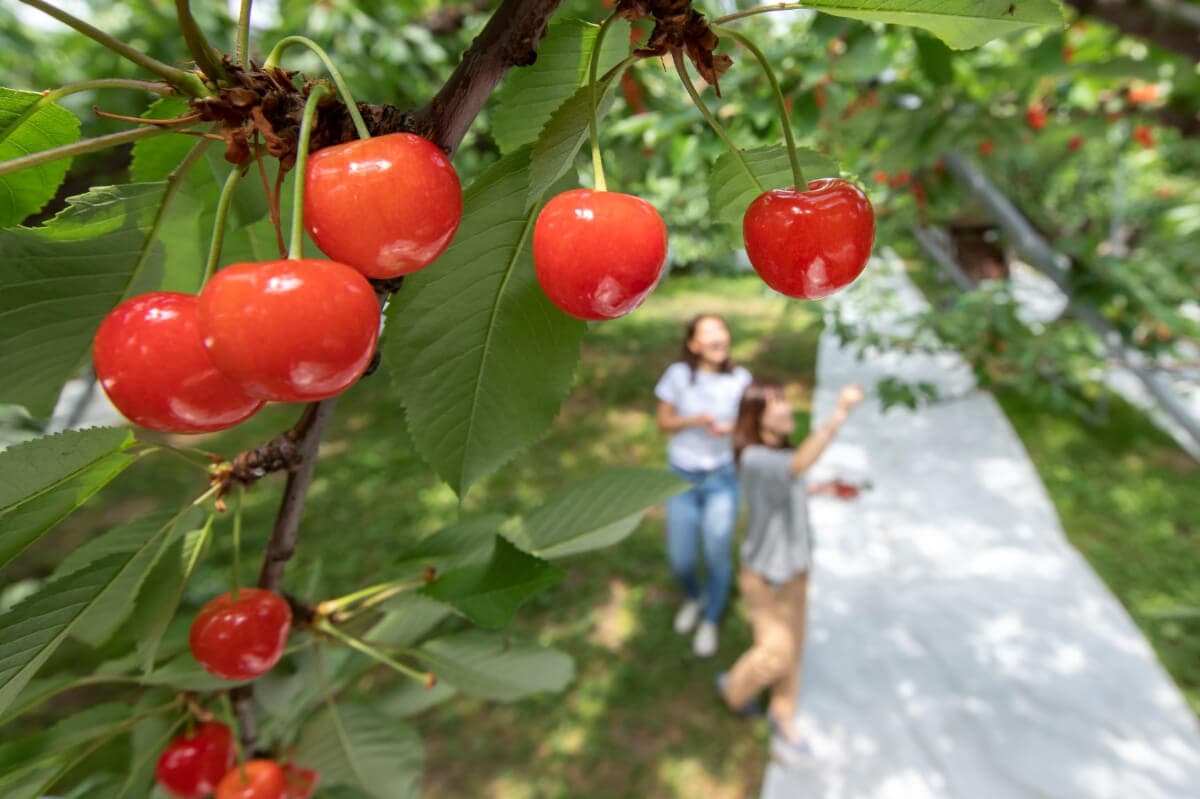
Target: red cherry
{"x":239,"y":639}
{"x":292,"y":331}
{"x":192,"y":764}
{"x":301,"y":782}
{"x":900,"y":179}
{"x":1036,"y":116}
{"x":1147,"y":93}
{"x":1144,"y":136}
{"x":254,"y":779}
{"x":810,"y":244}
{"x":598,"y":254}
{"x":1075,"y":143}
{"x":387,"y":205}
{"x":986,"y":147}
{"x":150,"y":359}
{"x":879,"y":176}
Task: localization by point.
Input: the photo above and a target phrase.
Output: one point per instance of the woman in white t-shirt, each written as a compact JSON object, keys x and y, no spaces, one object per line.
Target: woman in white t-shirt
{"x":697,"y":403}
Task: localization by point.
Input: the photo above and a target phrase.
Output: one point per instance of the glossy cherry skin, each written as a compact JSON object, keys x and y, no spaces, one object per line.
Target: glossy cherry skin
{"x":263,"y":779}
{"x":301,"y":782}
{"x":291,"y":331}
{"x":598,"y":254}
{"x":387,"y":206}
{"x":192,"y":764}
{"x":239,"y":639}
{"x":150,"y":359}
{"x":809,"y":244}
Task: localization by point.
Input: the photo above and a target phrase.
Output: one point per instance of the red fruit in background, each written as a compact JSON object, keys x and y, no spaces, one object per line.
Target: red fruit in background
{"x":900,"y":179}
{"x":819,"y":95}
{"x":1147,"y":93}
{"x":879,"y":176}
{"x":150,"y":358}
{"x":239,"y":639}
{"x":1035,"y":115}
{"x":809,"y":244}
{"x":254,"y":779}
{"x":1144,"y":136}
{"x":918,"y":190}
{"x":301,"y":782}
{"x":633,"y":93}
{"x":1075,"y":143}
{"x":192,"y":764}
{"x":1068,"y":53}
{"x":986,"y":147}
{"x":598,"y":254}
{"x":292,"y":331}
{"x":386,"y":206}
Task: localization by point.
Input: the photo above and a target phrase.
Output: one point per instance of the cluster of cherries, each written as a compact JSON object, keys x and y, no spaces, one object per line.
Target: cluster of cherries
{"x":203,"y":761}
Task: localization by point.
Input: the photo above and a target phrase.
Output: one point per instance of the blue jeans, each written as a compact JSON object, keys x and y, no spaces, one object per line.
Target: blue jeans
{"x":705,"y":514}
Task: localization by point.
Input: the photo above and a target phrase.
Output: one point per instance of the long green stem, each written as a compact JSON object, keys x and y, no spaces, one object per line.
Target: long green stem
{"x":237,"y":540}
{"x":593,"y":125}
{"x":186,"y":82}
{"x":681,"y":68}
{"x":296,"y":245}
{"x":372,"y":652}
{"x":342,"y":602}
{"x":242,"y":46}
{"x":788,"y":137}
{"x":760,"y":10}
{"x":343,"y":89}
{"x":81,"y":147}
{"x":152,"y":86}
{"x":197,"y":43}
{"x":218,"y":233}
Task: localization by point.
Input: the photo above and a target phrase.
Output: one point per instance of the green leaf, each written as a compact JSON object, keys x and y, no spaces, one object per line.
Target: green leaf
{"x":143,"y":541}
{"x":360,"y":747}
{"x":462,"y":544}
{"x":55,"y":745}
{"x":959,"y":23}
{"x":731,"y":190}
{"x":31,"y":631}
{"x":59,"y":280}
{"x":935,"y":59}
{"x":597,"y":512}
{"x":487,"y":358}
{"x":564,"y":133}
{"x":490,"y":594}
{"x":409,"y":617}
{"x":412,"y":698}
{"x":491,"y":666}
{"x":185,"y":674}
{"x":44,"y":480}
{"x":155,"y":158}
{"x":530,"y":95}
{"x":30,"y":125}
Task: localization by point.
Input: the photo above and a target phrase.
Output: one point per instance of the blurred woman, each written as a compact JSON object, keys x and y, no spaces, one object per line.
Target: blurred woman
{"x":777,"y":553}
{"x":697,"y":403}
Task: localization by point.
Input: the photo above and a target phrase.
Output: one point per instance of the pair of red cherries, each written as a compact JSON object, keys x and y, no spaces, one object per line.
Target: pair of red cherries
{"x":287,"y":330}
{"x":598,"y":254}
{"x":203,"y":761}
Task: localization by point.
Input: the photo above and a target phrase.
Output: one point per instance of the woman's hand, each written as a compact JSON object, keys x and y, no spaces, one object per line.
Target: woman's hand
{"x":720,"y":428}
{"x":850,"y":397}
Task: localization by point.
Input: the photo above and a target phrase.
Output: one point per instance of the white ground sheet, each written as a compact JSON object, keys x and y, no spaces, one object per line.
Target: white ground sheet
{"x":958,"y":645}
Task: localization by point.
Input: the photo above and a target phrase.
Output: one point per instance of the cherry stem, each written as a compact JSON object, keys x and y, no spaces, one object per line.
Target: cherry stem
{"x":174,"y":181}
{"x":178,"y":453}
{"x":186,"y":82}
{"x":593,"y":126}
{"x":197,"y":43}
{"x":296,"y":245}
{"x":370,"y":651}
{"x":760,"y":10}
{"x":788,"y":137}
{"x":81,"y":147}
{"x":237,"y":540}
{"x":53,"y":95}
{"x":218,"y":233}
{"x":242,"y":44}
{"x":272,"y":62}
{"x":230,"y":719}
{"x":371,"y":594}
{"x":681,"y":68}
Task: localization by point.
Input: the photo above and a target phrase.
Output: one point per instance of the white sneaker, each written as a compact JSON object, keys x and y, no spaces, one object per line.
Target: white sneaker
{"x":687,"y":616}
{"x":705,"y":642}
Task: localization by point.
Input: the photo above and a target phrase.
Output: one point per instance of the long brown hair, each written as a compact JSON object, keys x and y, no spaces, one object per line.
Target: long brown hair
{"x":747,"y":430}
{"x":691,"y":358}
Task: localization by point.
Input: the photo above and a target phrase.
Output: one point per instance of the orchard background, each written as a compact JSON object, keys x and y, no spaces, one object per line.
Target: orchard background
{"x":500,"y":439}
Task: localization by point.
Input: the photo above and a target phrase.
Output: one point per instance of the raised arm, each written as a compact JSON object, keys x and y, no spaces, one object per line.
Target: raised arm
{"x":811,"y":448}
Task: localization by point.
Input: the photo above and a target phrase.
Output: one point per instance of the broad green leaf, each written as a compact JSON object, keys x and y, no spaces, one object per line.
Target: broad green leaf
{"x":31,"y":631}
{"x":143,"y":541}
{"x":596,"y":512}
{"x":407,"y":619}
{"x":492,"y":666}
{"x":360,"y":747}
{"x":162,"y":591}
{"x":58,"y":743}
{"x":959,"y":23}
{"x":934,"y":58}
{"x":487,"y":358}
{"x":564,"y":133}
{"x":184,"y":673}
{"x":412,"y":698}
{"x":462,"y":544}
{"x":28,"y":124}
{"x":490,"y":594}
{"x":529,"y":95}
{"x":154,"y":159}
{"x":731,"y":190}
{"x":58,"y":281}
{"x":44,"y":480}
